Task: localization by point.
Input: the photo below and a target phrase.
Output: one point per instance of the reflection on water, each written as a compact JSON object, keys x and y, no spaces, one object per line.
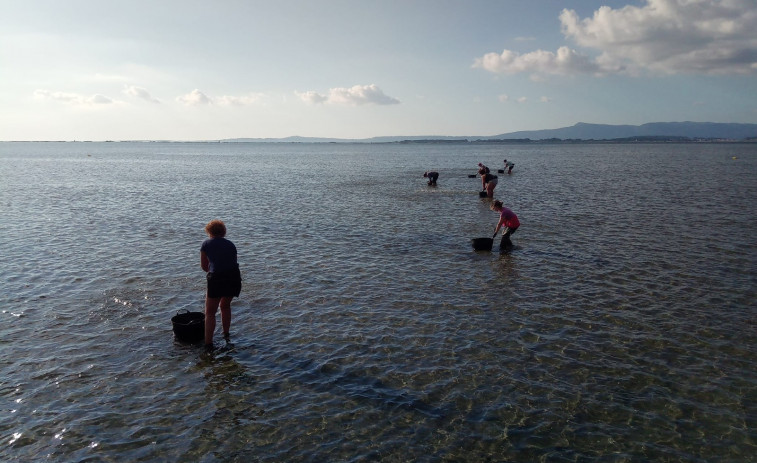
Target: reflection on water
{"x":620,"y":327}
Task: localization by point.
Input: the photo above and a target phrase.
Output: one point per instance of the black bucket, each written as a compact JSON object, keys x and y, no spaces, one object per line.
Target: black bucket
{"x":501,"y":171}
{"x":482,"y":194}
{"x":482,"y":244}
{"x":189,"y":326}
{"x":472,"y":176}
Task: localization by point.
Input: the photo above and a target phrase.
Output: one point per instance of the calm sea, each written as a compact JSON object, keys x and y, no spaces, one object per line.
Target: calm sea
{"x":620,"y":328}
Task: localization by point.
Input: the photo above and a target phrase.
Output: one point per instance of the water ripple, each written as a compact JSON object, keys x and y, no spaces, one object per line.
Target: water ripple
{"x":621,"y":327}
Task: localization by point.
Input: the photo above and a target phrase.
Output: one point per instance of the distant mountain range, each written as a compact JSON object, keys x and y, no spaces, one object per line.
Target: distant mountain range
{"x":692,"y":130}
{"x":679,"y":131}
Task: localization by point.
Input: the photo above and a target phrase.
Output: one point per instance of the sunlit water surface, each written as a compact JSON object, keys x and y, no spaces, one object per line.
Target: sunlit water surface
{"x":620,"y":328}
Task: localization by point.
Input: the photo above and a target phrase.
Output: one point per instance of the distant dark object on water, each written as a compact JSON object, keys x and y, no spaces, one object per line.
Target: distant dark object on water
{"x":472,"y":176}
{"x":500,"y":171}
{"x":482,"y":244}
{"x":189,"y":326}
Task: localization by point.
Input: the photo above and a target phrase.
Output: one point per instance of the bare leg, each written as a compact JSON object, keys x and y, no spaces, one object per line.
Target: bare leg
{"x":211,"y":307}
{"x":226,"y":315}
{"x":490,"y":190}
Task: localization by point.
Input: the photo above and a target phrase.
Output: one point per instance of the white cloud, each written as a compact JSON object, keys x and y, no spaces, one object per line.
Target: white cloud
{"x":671,"y":36}
{"x":565,"y":61}
{"x":312,"y":97}
{"x":360,"y":94}
{"x":73,"y":99}
{"x":356,"y":95}
{"x":198,"y":98}
{"x":139,"y":92}
{"x":99,"y":99}
{"x":195,"y":98}
{"x":662,"y":36}
{"x":506,"y":98}
{"x":244,"y":100}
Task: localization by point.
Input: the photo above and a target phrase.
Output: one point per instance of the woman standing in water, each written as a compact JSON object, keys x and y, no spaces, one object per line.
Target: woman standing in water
{"x":218,"y":257}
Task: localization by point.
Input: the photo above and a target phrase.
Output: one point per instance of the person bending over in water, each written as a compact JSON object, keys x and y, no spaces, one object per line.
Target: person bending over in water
{"x":432,"y":176}
{"x":218,"y":257}
{"x":482,"y":170}
{"x":508,"y":221}
{"x":489,"y":181}
{"x":509,"y":166}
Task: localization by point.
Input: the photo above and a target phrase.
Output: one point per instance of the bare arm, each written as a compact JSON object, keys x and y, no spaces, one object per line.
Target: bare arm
{"x":499,"y":225}
{"x":204,"y":262}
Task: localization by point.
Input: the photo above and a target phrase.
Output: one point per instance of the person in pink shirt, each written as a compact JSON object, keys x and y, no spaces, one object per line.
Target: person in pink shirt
{"x":508,"y":221}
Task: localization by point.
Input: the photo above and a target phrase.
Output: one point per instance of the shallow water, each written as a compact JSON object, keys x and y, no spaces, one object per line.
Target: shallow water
{"x":620,"y":328}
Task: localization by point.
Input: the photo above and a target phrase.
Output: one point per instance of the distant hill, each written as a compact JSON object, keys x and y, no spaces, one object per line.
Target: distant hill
{"x":680,"y":131}
{"x":693,"y":130}
{"x":390,"y":139}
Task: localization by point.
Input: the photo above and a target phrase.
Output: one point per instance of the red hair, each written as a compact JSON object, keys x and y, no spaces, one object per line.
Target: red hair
{"x":216,"y":228}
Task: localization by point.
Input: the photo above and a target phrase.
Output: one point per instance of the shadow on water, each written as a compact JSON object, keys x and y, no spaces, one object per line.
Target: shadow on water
{"x":233,"y":362}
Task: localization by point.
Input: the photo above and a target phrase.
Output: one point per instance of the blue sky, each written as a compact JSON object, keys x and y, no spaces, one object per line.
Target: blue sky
{"x":204,"y":70}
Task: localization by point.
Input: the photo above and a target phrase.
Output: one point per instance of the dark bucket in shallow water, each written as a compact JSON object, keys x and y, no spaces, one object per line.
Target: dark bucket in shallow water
{"x":472,"y":176}
{"x":189,"y":326}
{"x":501,"y":171}
{"x":482,"y":194}
{"x":482,"y":244}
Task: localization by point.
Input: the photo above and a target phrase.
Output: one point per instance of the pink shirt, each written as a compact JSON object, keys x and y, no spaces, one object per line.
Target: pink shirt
{"x":510,"y":220}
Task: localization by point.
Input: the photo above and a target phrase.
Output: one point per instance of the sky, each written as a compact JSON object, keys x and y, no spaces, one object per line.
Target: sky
{"x":354,"y":69}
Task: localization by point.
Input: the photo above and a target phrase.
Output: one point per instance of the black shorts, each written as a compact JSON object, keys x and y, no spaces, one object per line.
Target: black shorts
{"x":508,"y":231}
{"x":227,"y":283}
